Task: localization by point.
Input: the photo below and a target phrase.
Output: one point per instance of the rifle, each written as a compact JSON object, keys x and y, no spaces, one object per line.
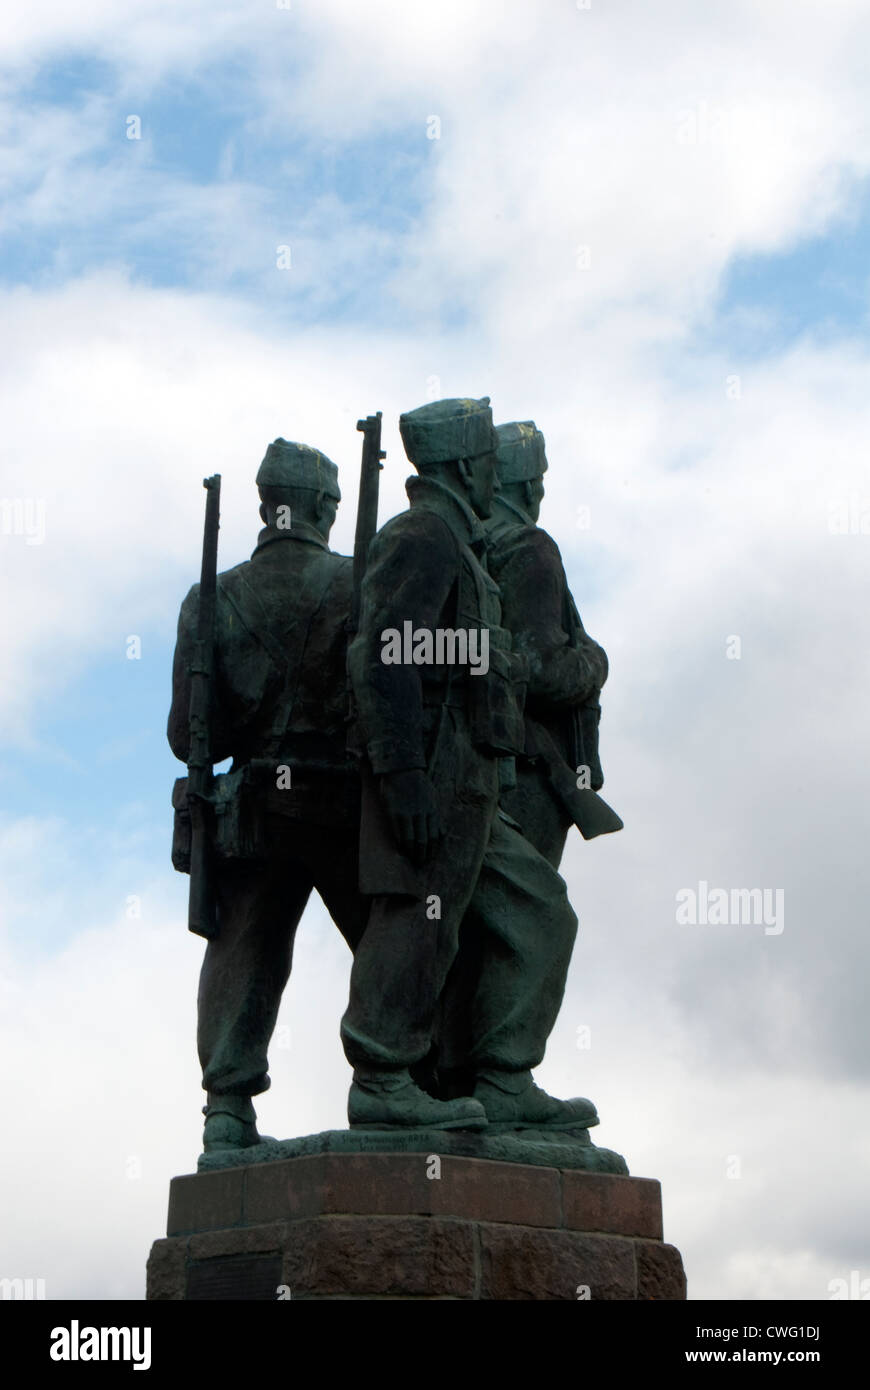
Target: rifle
{"x":202,"y":906}
{"x":366,"y":526}
{"x":367,"y":509}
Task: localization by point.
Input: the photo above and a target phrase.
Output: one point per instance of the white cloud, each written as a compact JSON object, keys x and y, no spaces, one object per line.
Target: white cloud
{"x":668,"y":140}
{"x":104,"y":1088}
{"x":120,"y":400}
{"x":106,"y":1030}
{"x":661,"y":143}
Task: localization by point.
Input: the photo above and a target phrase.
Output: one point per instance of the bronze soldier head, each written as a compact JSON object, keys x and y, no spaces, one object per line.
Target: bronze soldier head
{"x":453,"y":441}
{"x":521,"y":463}
{"x":298,"y":483}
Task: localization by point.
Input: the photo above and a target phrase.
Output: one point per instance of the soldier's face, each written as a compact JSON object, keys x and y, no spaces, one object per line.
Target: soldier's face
{"x":326,"y":508}
{"x":483,"y":483}
{"x":536,"y":497}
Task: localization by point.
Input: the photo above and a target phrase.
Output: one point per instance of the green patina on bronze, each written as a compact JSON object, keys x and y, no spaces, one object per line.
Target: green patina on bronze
{"x":431,"y":823}
{"x":559,"y":775}
{"x":540,"y":1148}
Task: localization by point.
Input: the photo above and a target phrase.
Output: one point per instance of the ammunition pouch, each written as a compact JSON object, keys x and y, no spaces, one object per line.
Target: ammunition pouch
{"x":495,"y":704}
{"x":236,"y":817}
{"x":181,"y":832}
{"x":238,"y":813}
{"x":244,"y":801}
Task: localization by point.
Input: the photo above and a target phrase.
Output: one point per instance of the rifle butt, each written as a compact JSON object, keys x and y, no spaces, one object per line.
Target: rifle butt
{"x":202,"y":903}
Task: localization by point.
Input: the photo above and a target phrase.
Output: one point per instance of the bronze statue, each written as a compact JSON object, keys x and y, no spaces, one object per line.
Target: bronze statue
{"x":386,"y":753}
{"x":559,"y":773}
{"x":438,"y":855}
{"x":285,"y":819}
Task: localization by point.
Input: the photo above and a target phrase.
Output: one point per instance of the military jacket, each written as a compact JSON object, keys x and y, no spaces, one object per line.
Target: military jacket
{"x":424,"y":570}
{"x":566,"y":667}
{"x":280,"y":684}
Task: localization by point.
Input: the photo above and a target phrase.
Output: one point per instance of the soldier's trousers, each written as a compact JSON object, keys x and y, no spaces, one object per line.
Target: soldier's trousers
{"x":247,"y":965}
{"x":497,"y":911}
{"x":538,"y":811}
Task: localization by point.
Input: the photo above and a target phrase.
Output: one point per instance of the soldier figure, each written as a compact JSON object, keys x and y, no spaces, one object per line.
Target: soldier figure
{"x":440,"y":858}
{"x":287,"y":814}
{"x":566,"y":668}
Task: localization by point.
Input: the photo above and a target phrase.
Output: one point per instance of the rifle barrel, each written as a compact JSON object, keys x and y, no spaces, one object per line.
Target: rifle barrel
{"x":367,"y":510}
{"x":202,"y":912}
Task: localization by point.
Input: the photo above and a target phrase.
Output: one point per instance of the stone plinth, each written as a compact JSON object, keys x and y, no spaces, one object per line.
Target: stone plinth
{"x":388,"y":1226}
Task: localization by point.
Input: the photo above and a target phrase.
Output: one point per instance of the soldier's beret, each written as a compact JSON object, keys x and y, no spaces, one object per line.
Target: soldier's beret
{"x":520,"y":452}
{"x":298,"y":465}
{"x":446,"y":430}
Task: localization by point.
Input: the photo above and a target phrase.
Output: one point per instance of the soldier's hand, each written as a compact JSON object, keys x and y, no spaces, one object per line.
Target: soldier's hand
{"x":412,"y":811}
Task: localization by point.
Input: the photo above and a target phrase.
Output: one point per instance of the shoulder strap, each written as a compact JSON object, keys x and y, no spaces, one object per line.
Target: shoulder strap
{"x":260,"y":632}
{"x":289,"y":655}
{"x":315,"y":596}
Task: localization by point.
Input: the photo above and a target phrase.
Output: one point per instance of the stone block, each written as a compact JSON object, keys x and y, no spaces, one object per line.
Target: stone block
{"x":616,"y":1205}
{"x":660,"y":1273}
{"x":205,"y":1201}
{"x":237,"y":1240}
{"x":400,"y":1185}
{"x":166,"y":1271}
{"x":522,"y":1263}
{"x":380,"y":1257}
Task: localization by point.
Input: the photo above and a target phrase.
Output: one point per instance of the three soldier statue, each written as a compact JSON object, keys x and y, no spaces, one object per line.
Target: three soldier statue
{"x":413,"y":732}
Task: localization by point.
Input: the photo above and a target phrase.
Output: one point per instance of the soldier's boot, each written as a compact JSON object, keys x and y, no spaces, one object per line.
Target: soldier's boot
{"x":230,"y":1123}
{"x":513,"y":1101}
{"x":389,"y":1099}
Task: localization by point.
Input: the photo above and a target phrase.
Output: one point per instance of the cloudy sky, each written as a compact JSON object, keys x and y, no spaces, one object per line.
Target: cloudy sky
{"x":646,"y":227}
